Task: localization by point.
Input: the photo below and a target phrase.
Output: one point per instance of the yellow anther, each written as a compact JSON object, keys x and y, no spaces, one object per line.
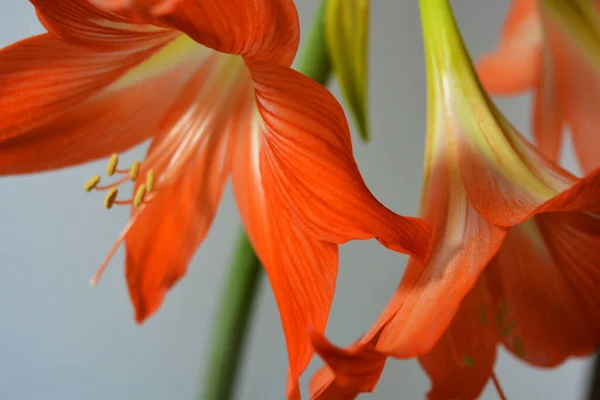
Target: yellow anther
{"x":110,"y":198}
{"x":134,"y":170}
{"x":150,"y":176}
{"x":112,"y":165}
{"x":139,"y":195}
{"x":518,"y":347}
{"x":91,"y":183}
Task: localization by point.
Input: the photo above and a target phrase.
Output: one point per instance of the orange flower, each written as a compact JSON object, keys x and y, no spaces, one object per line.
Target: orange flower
{"x":516,"y":248}
{"x":209,"y":82}
{"x":552,"y":47}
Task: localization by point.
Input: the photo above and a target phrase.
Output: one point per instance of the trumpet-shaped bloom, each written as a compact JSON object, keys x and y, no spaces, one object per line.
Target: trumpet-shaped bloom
{"x":209,"y":83}
{"x":552,"y":47}
{"x":515,"y":248}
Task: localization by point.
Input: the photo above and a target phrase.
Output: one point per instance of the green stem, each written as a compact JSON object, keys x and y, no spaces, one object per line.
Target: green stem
{"x":241,"y":289}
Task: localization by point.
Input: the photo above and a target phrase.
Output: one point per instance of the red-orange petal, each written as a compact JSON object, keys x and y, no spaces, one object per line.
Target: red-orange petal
{"x":79,"y":22}
{"x":515,"y":65}
{"x":430,"y":295}
{"x":191,"y":159}
{"x":577,"y":83}
{"x":264,"y":30}
{"x":309,"y":172}
{"x":461,"y":363}
{"x":302,"y":270}
{"x":546,"y":273}
{"x":348,"y":372}
{"x":57,"y":110}
{"x":519,"y":12}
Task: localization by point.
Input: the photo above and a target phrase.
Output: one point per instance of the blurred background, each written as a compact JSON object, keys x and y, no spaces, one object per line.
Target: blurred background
{"x":61,"y":339}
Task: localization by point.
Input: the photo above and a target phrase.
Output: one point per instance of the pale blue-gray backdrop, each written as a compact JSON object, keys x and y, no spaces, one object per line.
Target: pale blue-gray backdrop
{"x":62,"y":340}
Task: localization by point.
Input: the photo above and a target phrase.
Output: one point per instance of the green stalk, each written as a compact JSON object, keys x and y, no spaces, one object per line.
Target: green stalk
{"x":242,"y":287}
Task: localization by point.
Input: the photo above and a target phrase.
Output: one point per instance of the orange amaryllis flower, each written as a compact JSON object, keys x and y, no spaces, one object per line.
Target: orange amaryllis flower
{"x":516,"y":247}
{"x":553,"y":48}
{"x":210,"y":83}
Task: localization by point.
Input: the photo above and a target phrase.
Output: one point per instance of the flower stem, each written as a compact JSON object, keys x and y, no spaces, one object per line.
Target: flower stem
{"x":242,"y":287}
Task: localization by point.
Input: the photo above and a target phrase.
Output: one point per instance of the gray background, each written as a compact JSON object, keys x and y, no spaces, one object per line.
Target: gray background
{"x":60,"y":339}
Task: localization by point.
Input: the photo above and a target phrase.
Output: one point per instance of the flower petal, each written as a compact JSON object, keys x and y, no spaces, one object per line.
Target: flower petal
{"x":547,"y":275}
{"x":60,"y":109}
{"x":429,"y":297}
{"x":79,"y":22}
{"x":548,"y":116}
{"x":265,"y":30}
{"x":507,"y":187}
{"x":191,"y":159}
{"x":302,"y":270}
{"x":348,"y":372}
{"x":461,"y":363}
{"x":515,"y":65}
{"x":578,"y":85}
{"x":519,"y":12}
{"x":309,"y":172}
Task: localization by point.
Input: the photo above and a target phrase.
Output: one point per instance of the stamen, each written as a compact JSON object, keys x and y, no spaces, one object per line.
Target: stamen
{"x":497,"y":386}
{"x":111,"y":253}
{"x":150,"y":177}
{"x":110,"y":198}
{"x":91,"y":183}
{"x":139,"y":195}
{"x":115,"y":184}
{"x":134,"y":170}
{"x":111,"y":167}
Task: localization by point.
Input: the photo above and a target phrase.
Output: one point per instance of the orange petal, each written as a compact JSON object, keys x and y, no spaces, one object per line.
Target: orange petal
{"x":429,"y":296}
{"x":579,"y":83}
{"x":461,"y":363}
{"x":548,"y":117}
{"x":506,"y":178}
{"x":309,"y":172}
{"x":348,"y":372}
{"x":170,"y":228}
{"x":302,"y":270}
{"x":79,"y":22}
{"x":546,"y":273}
{"x":323,"y":386}
{"x":515,"y":65}
{"x":191,"y":160}
{"x":520,"y":12}
{"x":59,"y":107}
{"x":229,"y":26}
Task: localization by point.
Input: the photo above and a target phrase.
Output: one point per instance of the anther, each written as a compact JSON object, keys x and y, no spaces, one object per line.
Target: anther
{"x":150,"y":176}
{"x":91,"y":183}
{"x":139,"y":195}
{"x":134,"y":170}
{"x":111,"y":167}
{"x":110,"y":198}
